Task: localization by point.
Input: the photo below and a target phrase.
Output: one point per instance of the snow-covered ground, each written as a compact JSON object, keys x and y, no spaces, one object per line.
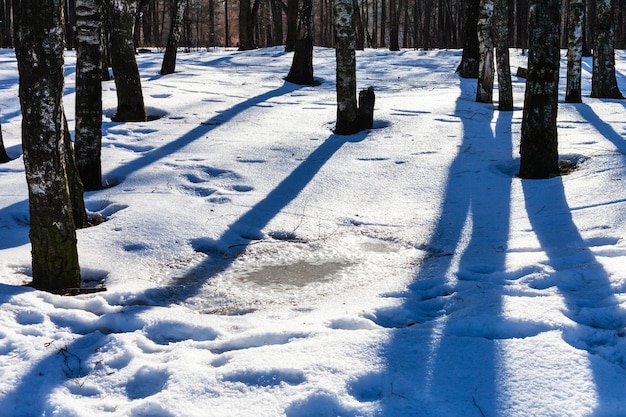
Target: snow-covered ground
{"x":258,"y":265}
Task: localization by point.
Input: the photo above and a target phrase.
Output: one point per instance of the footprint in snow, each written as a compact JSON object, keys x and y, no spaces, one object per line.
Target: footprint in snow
{"x":146,"y":382}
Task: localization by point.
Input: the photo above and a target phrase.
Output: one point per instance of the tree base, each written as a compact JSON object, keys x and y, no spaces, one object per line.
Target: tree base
{"x":364,"y":116}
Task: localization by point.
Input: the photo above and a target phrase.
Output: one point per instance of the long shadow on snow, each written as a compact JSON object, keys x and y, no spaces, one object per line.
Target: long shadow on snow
{"x":248,"y":228}
{"x":442,"y":351}
{"x":601,"y":126}
{"x":583,"y":282}
{"x":58,"y":369}
{"x":118,"y":174}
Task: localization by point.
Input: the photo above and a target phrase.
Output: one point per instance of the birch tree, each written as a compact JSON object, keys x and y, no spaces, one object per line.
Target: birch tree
{"x":301,"y":71}
{"x":39,"y":52}
{"x":501,"y":24}
{"x":539,"y":142}
{"x":169,"y":58}
{"x":130,"y":104}
{"x":88,"y":136}
{"x":576,"y":15}
{"x":346,"y":67}
{"x":484,"y":92}
{"x":603,"y":81}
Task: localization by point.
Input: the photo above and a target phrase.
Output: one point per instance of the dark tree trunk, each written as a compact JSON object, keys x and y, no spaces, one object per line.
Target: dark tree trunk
{"x":246,"y":26}
{"x":130,"y":104}
{"x":226,"y":24}
{"x":588,"y":29}
{"x":169,"y":58}
{"x":603,"y":81}
{"x":576,"y":16}
{"x":212,"y":23}
{"x":277,"y":22}
{"x":4,"y":157}
{"x":105,"y":42}
{"x":39,"y":51}
{"x":501,"y":23}
{"x":74,"y":183}
{"x":346,"y":68}
{"x":88,"y":136}
{"x":292,"y":25}
{"x":539,"y":142}
{"x":359,"y":30}
{"x":301,"y":71}
{"x":394,"y":26}
{"x":70,"y":24}
{"x":383,"y":22}
{"x":6,"y":25}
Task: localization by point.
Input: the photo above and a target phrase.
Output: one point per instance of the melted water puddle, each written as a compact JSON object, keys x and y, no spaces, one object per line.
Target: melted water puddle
{"x":298,"y":274}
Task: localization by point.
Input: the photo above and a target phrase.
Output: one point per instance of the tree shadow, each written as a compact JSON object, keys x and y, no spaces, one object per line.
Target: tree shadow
{"x":583,"y":282}
{"x":601,"y":126}
{"x":223,"y":251}
{"x":72,"y":361}
{"x":14,"y":222}
{"x":117,"y":175}
{"x":452,"y":357}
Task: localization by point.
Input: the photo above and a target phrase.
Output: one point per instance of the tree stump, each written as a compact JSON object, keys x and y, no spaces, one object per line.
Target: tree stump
{"x":365,"y":112}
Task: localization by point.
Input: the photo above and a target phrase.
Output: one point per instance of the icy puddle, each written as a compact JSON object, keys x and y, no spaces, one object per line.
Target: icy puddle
{"x":298,"y":274}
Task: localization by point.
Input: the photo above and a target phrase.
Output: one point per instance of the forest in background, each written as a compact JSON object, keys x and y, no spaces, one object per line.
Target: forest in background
{"x":414,"y":23}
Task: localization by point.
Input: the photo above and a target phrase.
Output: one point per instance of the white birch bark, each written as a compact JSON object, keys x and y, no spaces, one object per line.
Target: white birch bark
{"x":603,"y":81}
{"x":88,"y":137}
{"x":484,"y":92}
{"x":346,"y":67}
{"x":576,"y":15}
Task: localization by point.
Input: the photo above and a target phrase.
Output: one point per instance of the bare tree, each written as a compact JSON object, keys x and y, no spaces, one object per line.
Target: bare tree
{"x":603,"y":81}
{"x":539,"y":142}
{"x":484,"y":92}
{"x":394,"y":25}
{"x":88,"y":136}
{"x":468,"y":68}
{"x":576,"y":15}
{"x":301,"y":71}
{"x":501,"y":24}
{"x":130,"y":104}
{"x":346,"y":67}
{"x":169,"y":58}
{"x":247,"y":15}
{"x":39,"y":51}
{"x":292,"y":25}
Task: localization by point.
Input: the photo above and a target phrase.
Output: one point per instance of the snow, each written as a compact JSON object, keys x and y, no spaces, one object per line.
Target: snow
{"x":258,"y":265}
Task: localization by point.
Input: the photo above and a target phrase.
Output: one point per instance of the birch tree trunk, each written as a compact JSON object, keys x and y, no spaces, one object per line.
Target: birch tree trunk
{"x":484,"y":92}
{"x":39,"y":51}
{"x":130,"y":104}
{"x":576,"y":15}
{"x":301,"y":71}
{"x":169,"y":58}
{"x":539,"y":142}
{"x":346,"y":68}
{"x":4,"y":157}
{"x":603,"y":81}
{"x":501,"y":23}
{"x":88,"y":136}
